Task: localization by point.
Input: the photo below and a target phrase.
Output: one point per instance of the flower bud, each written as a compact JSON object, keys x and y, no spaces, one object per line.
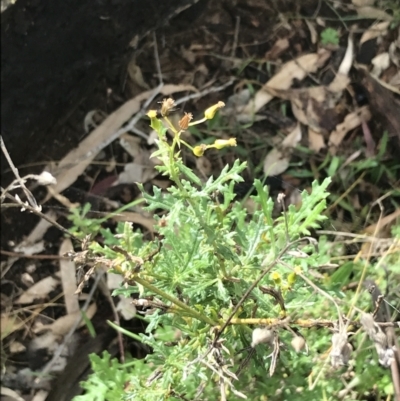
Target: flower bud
{"x":291,"y":278}
{"x":262,"y":336}
{"x":210,"y":112}
{"x":152,"y":114}
{"x":199,"y":150}
{"x":222,"y":143}
{"x":167,"y":106}
{"x":276,"y":277}
{"x":298,"y":343}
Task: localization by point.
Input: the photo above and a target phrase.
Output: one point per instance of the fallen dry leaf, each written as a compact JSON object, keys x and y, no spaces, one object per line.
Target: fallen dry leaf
{"x":277,"y":160}
{"x":347,"y":61}
{"x":135,"y":74}
{"x":377,"y":246}
{"x":41,"y":395}
{"x":373,"y":13}
{"x":293,"y":138}
{"x":375,"y":31}
{"x":314,"y":107}
{"x":313,"y":31}
{"x":275,"y":163}
{"x":277,"y":49}
{"x":380,"y":63}
{"x":63,"y":325}
{"x":10,"y":394}
{"x":383,"y":103}
{"x":363,"y":3}
{"x":30,"y":248}
{"x":394,"y":51}
{"x":126,"y":308}
{"x":68,"y":277}
{"x":315,"y":140}
{"x":395,"y":81}
{"x":351,"y":121}
{"x":132,"y":173}
{"x":38,"y":291}
{"x":374,"y":228}
{"x":369,"y":140}
{"x":136,"y":218}
{"x":283,"y":79}
{"x":16,"y":347}
{"x":131,"y":144}
{"x":37,"y":233}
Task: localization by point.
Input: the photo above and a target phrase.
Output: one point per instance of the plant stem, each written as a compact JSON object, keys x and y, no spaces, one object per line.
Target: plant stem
{"x":187,"y":309}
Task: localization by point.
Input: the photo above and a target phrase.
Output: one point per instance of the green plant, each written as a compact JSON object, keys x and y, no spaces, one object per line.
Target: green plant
{"x":330,"y":36}
{"x":232,"y":298}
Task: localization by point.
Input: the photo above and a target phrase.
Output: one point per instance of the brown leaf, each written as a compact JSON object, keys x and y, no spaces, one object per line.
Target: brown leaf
{"x":314,"y":107}
{"x":373,"y":13}
{"x":383,"y":103}
{"x":38,"y":291}
{"x":136,"y":218}
{"x":374,"y":31}
{"x":315,"y":140}
{"x":277,"y":49}
{"x":63,"y":325}
{"x":283,"y":79}
{"x":277,"y":160}
{"x":68,"y":277}
{"x":351,"y":121}
{"x":136,"y":76}
{"x":275,"y":163}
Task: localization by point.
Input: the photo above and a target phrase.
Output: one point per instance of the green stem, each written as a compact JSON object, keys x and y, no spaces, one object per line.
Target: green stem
{"x":180,"y":304}
{"x":222,"y":265}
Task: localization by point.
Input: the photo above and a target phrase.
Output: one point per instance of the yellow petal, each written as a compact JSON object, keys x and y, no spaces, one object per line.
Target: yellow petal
{"x":152,"y":113}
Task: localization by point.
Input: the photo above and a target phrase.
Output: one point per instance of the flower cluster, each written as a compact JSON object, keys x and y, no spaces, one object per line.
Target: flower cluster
{"x":168,"y":106}
{"x":218,"y":144}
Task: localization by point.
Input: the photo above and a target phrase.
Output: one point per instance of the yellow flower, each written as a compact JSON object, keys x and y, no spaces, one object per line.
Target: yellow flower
{"x":222,"y":143}
{"x":152,"y":113}
{"x":210,"y":112}
{"x":276,"y":277}
{"x":297,"y":270}
{"x":199,"y":150}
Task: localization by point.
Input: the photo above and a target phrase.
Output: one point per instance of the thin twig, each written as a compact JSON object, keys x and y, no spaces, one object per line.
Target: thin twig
{"x":204,"y":92}
{"x":30,"y":197}
{"x":157,"y":59}
{"x":236,"y":36}
{"x":42,"y":215}
{"x":21,"y":255}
